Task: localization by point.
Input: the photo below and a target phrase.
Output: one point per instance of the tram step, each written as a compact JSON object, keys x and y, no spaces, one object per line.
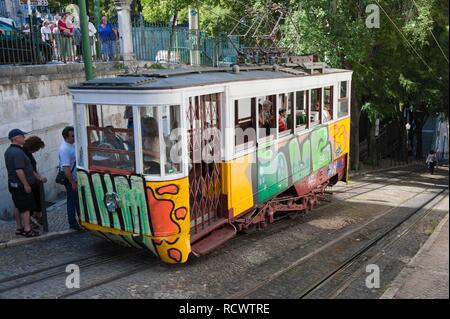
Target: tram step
{"x":213,"y":240}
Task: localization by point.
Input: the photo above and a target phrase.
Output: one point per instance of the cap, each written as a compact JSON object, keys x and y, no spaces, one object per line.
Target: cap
{"x":15,"y":132}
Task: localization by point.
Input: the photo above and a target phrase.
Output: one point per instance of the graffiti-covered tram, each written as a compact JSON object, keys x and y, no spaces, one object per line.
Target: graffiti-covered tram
{"x":178,"y":161}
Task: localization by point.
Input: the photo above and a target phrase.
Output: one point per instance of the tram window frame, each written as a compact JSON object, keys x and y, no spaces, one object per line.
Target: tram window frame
{"x":302,"y":95}
{"x":165,"y":151}
{"x":273,"y":98}
{"x":343,"y":100}
{"x":286,"y":102}
{"x":331,"y":104}
{"x":97,"y":129}
{"x":249,"y":122}
{"x":319,"y":115}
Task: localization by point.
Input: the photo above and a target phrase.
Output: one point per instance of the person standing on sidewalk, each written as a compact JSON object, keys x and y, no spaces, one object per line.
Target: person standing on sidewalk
{"x":32,"y":145}
{"x":21,"y":180}
{"x":67,"y":164}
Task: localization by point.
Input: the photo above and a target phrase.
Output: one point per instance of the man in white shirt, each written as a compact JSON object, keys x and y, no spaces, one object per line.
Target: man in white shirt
{"x":67,"y":163}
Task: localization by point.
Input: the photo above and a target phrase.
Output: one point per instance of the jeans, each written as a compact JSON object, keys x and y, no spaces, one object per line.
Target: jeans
{"x":108,"y":49}
{"x":72,"y":205}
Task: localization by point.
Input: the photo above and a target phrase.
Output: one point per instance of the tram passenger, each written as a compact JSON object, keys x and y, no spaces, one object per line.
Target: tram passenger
{"x":327,"y":113}
{"x":266,"y":117}
{"x":151,"y":146}
{"x":282,"y":122}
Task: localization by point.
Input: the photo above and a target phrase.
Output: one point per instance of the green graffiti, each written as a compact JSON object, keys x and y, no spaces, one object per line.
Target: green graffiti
{"x":139,"y":204}
{"x":126,"y":198}
{"x":84,"y":190}
{"x":100,"y":195}
{"x":272,"y":175}
{"x":132,"y":200}
{"x":300,"y":162}
{"x":321,"y":148}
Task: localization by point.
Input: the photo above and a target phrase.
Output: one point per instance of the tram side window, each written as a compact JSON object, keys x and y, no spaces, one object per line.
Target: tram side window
{"x":245,"y":122}
{"x":110,"y":140}
{"x":328,"y":105}
{"x":316,"y":107}
{"x":343,"y":109}
{"x":301,"y":109}
{"x":285,"y":117}
{"x":267,"y":107}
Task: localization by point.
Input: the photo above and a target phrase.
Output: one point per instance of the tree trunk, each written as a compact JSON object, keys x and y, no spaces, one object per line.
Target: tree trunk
{"x":354,"y":131}
{"x":372,"y":144}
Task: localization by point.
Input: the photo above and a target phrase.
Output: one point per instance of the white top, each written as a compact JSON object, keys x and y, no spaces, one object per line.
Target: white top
{"x":45,"y":32}
{"x":67,"y":157}
{"x":92,"y":29}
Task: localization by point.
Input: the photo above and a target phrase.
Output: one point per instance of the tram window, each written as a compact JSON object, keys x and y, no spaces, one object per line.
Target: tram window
{"x":285,"y":111}
{"x":245,"y":122}
{"x":343,"y":109}
{"x":151,"y":146}
{"x":172,"y":138}
{"x":316,"y":106}
{"x":110,"y":141}
{"x":267,"y":117}
{"x":301,"y":109}
{"x":327,"y":115}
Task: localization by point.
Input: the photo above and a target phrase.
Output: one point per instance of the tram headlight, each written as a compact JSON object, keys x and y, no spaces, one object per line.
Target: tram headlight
{"x":112,"y":202}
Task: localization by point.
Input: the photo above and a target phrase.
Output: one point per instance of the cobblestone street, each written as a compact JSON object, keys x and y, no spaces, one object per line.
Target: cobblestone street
{"x":278,"y":262}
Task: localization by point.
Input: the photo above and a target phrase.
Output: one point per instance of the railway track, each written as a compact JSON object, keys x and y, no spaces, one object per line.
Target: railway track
{"x":43,"y":274}
{"x":259,"y":290}
{"x":371,"y":245}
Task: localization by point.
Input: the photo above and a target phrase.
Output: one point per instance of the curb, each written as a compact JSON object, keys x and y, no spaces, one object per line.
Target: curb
{"x":23,"y":241}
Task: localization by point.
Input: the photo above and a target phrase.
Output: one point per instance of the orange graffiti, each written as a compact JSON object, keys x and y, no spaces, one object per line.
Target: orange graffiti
{"x":169,"y":189}
{"x":160,"y":213}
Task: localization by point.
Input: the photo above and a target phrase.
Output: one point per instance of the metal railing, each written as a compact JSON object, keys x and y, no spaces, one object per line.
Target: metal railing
{"x":151,"y":42}
{"x":37,"y":48}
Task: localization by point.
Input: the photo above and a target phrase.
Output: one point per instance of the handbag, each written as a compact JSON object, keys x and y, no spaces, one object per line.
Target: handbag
{"x":61,"y":176}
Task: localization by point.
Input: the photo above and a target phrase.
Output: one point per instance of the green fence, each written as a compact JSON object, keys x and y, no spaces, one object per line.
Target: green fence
{"x":151,"y":42}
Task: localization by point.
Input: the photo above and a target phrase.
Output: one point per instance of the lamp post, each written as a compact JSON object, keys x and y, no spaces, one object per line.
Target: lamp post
{"x":86,"y":46}
{"x":408,"y":127}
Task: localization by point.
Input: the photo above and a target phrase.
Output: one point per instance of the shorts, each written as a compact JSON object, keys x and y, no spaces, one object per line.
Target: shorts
{"x":24,"y":202}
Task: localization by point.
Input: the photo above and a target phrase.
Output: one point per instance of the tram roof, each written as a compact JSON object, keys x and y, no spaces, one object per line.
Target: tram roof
{"x":177,"y":79}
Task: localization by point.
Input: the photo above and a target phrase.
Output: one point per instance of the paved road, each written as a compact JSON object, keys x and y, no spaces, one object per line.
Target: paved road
{"x":278,"y":262}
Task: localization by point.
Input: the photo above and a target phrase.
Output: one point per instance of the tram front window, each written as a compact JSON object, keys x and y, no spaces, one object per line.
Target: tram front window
{"x":110,"y":141}
{"x":161,"y":140}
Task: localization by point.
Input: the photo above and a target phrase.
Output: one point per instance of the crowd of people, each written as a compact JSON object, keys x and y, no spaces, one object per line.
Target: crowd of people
{"x":64,"y":38}
{"x":25,"y":183}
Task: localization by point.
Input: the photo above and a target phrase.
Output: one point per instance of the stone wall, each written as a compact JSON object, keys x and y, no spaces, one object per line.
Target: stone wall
{"x":36,"y":99}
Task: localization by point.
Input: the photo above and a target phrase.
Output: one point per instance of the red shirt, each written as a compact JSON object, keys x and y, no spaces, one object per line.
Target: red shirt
{"x":62,"y":26}
{"x":282,"y":124}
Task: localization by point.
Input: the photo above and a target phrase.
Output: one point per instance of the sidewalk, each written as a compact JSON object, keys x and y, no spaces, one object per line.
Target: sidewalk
{"x":57,"y":225}
{"x":427,"y":274}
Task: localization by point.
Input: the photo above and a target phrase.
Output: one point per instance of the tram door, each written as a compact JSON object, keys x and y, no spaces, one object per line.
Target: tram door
{"x":204,"y":125}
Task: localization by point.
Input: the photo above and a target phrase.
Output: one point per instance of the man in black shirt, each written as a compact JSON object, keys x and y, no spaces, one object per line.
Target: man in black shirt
{"x":21,"y":178}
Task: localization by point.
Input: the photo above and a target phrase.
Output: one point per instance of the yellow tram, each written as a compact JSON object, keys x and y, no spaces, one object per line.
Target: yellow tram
{"x":178,"y":161}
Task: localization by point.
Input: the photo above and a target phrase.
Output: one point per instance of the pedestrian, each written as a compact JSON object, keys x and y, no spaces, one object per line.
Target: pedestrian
{"x":108,"y":36}
{"x":92,"y":39}
{"x":65,"y":39}
{"x":431,"y":161}
{"x":77,"y":42}
{"x":21,"y":180}
{"x":46,"y":35}
{"x":32,"y":145}
{"x":67,"y":164}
